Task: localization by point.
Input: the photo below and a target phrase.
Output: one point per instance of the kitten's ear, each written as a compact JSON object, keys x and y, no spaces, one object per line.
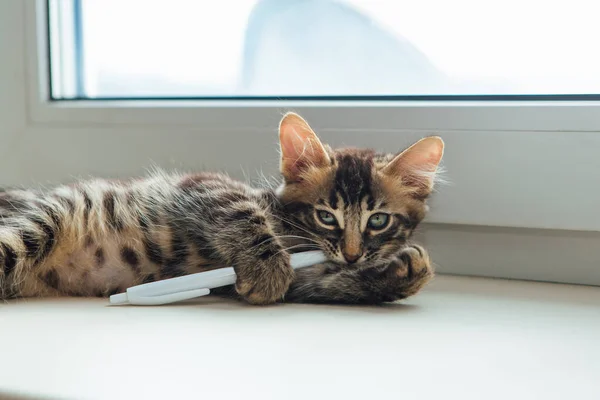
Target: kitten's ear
{"x":416,"y":166}
{"x":300,"y":147}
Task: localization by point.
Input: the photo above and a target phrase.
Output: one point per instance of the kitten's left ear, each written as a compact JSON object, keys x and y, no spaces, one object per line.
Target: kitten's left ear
{"x":416,"y":166}
{"x":301,"y":149}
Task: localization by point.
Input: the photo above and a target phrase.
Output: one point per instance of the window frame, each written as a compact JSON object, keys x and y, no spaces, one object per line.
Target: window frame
{"x":522,"y":113}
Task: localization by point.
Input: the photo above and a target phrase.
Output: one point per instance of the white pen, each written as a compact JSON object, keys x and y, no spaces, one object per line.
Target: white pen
{"x":196,"y":285}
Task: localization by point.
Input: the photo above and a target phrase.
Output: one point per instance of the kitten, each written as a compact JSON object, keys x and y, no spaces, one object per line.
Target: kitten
{"x":98,"y":237}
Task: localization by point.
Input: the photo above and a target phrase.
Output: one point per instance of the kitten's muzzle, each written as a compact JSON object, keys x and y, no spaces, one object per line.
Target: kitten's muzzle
{"x":352,"y":257}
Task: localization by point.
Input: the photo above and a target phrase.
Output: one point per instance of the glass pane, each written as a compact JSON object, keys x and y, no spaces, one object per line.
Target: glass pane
{"x":180,"y":48}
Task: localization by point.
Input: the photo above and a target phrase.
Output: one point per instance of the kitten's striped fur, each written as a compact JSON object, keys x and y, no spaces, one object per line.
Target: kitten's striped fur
{"x":98,"y":237}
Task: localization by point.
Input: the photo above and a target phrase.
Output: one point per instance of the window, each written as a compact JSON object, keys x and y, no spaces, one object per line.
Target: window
{"x":315,"y":48}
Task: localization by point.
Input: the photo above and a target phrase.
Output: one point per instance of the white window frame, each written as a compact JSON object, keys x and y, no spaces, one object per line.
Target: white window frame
{"x":516,"y":169}
{"x":369,"y":115}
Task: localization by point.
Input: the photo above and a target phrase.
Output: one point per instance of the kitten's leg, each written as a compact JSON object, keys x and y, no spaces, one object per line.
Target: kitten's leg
{"x":399,"y":279}
{"x":29,"y":231}
{"x":55,"y":243}
{"x":248,"y":242}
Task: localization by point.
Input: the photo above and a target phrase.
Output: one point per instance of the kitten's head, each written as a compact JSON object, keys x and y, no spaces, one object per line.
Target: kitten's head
{"x":357,"y":204}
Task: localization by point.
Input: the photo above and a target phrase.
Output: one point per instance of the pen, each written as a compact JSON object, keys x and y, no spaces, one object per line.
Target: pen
{"x":196,"y":285}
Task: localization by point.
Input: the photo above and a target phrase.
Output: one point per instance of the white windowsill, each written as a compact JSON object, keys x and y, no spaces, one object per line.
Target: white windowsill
{"x":468,"y":338}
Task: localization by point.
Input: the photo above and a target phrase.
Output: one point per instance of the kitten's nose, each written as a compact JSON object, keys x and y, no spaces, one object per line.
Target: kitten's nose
{"x":352,"y":257}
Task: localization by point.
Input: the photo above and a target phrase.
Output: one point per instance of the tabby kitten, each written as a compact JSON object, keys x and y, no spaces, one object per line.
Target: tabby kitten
{"x":96,"y":238}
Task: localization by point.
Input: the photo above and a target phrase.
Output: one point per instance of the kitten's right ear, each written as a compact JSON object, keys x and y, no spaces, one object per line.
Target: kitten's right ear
{"x":416,"y":166}
{"x":301,"y":149}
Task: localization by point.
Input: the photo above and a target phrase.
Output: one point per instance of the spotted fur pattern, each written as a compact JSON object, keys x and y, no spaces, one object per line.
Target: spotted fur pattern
{"x":98,"y":237}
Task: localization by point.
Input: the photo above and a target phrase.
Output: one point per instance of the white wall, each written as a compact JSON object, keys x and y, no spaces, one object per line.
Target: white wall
{"x":12,"y":76}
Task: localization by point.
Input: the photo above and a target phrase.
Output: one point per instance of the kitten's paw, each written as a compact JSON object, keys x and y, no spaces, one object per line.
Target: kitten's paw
{"x":414,"y":269}
{"x":413,"y":260}
{"x":267,"y":281}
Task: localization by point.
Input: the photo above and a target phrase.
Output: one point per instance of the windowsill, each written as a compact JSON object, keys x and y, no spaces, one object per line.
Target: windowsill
{"x":465,"y":337}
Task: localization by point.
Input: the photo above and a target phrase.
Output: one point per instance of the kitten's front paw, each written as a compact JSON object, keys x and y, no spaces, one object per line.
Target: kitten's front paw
{"x":414,"y":269}
{"x":267,"y":281}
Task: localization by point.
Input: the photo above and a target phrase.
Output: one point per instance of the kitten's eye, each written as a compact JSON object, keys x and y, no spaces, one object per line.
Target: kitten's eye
{"x":326,"y":217}
{"x":378,"y":221}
